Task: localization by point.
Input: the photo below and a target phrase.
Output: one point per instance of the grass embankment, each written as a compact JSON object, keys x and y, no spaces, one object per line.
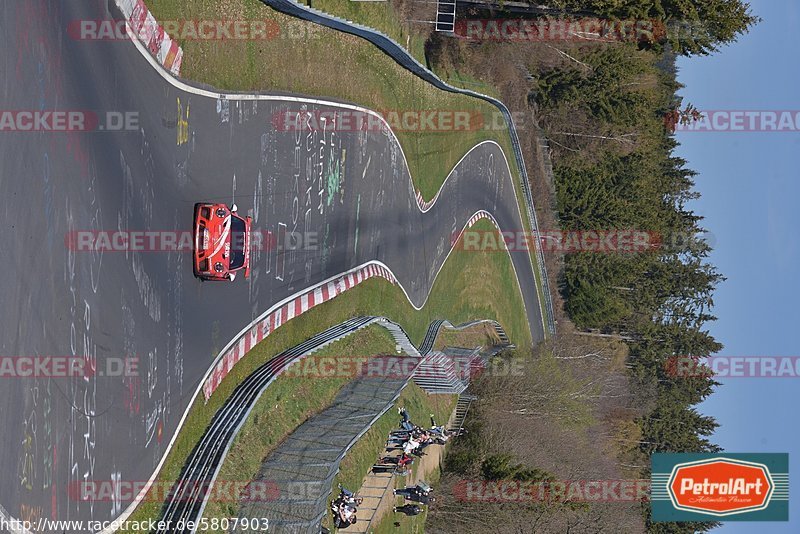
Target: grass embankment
{"x":419,"y":405}
{"x":402,"y":524}
{"x":306,"y":58}
{"x":358,"y":461}
{"x":286,"y":404}
{"x":482,"y":335}
{"x":470,"y":286}
{"x":381,"y":16}
{"x":408,"y":26}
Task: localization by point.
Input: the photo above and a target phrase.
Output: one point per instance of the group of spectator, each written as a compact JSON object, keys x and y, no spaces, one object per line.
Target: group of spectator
{"x":419,"y":493}
{"x":344,"y":508}
{"x":411,"y":440}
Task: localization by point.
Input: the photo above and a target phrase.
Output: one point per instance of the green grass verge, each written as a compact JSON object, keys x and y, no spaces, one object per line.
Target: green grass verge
{"x":477,"y":336}
{"x":402,"y":524}
{"x":384,"y":17}
{"x":381,"y":16}
{"x":286,"y":404}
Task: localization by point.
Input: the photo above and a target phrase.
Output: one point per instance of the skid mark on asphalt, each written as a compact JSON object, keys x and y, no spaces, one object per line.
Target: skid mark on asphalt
{"x":28,"y":457}
{"x":138,"y":200}
{"x":36,"y":462}
{"x":131,"y":396}
{"x":317,"y":177}
{"x":161,"y":367}
{"x":95,"y":224}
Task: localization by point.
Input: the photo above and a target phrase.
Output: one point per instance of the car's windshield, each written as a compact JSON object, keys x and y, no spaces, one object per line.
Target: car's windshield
{"x":237,"y":242}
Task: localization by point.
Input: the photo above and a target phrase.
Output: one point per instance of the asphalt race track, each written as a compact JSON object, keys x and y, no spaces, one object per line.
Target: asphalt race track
{"x":350,"y":190}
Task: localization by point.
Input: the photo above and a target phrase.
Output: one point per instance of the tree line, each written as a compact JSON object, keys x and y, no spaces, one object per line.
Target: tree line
{"x":611,"y":118}
{"x":609,"y":109}
{"x":693,"y":27}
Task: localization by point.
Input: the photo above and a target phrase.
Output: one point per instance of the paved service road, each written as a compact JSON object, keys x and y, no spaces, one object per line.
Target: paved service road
{"x":351,"y":190}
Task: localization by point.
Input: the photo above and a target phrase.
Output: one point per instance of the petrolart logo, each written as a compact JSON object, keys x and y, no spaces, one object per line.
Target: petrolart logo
{"x":720,"y":487}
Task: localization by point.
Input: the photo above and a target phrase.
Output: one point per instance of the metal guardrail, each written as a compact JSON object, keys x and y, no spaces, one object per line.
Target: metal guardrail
{"x":191,"y":492}
{"x":397,"y":52}
{"x":311,"y":455}
{"x":440,"y":373}
{"x":433,"y":331}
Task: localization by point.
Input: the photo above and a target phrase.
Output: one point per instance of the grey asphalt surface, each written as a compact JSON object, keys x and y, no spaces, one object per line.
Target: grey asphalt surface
{"x":352,"y":189}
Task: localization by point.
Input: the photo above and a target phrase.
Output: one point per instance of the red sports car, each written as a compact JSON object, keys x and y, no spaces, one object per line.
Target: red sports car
{"x":221,"y":242}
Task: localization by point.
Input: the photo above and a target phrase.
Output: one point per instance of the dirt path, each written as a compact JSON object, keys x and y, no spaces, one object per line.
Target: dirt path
{"x":376,"y":488}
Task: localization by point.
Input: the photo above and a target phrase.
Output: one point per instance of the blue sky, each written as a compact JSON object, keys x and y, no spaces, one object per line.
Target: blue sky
{"x":750,"y":184}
